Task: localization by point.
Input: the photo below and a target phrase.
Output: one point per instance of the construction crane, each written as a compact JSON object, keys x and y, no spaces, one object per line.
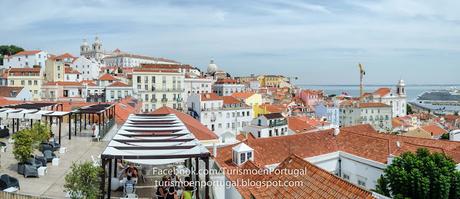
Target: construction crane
{"x":361,"y":83}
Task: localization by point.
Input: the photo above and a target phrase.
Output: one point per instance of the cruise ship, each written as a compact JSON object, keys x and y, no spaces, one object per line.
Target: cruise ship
{"x":438,"y":101}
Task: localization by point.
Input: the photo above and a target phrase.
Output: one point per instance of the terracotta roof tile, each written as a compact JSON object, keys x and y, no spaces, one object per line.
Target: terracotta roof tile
{"x":210,"y":97}
{"x":317,"y":183}
{"x":434,"y":129}
{"x":61,"y":83}
{"x":382,"y":92}
{"x":194,"y":126}
{"x":231,"y":100}
{"x":107,"y":77}
{"x":28,"y":52}
{"x":242,"y":95}
{"x":298,"y":125}
{"x":118,"y":84}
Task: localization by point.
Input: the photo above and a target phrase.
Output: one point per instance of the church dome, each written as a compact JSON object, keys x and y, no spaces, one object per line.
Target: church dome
{"x":85,"y":43}
{"x":97,"y":41}
{"x":212,"y":67}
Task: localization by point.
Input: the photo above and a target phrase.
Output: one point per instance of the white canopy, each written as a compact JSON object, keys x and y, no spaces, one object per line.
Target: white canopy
{"x":37,"y":115}
{"x":154,"y":140}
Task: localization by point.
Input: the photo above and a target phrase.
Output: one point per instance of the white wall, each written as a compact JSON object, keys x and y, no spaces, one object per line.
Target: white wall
{"x":89,"y":69}
{"x":21,"y":61}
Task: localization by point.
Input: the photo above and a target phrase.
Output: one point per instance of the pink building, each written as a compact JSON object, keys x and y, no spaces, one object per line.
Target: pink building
{"x":311,"y":97}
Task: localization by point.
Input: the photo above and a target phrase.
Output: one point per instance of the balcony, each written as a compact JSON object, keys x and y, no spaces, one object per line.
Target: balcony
{"x":169,"y":90}
{"x":179,"y":99}
{"x":153,"y":100}
{"x":164,"y":100}
{"x":278,"y":123}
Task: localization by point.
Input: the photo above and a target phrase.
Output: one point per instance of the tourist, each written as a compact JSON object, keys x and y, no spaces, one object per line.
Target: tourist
{"x":131,"y":171}
{"x":129,"y":186}
{"x":188,"y":189}
{"x":172,"y":194}
{"x":161,"y":188}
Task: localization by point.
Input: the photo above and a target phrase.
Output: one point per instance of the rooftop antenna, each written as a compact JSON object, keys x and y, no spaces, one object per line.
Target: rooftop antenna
{"x":361,"y":83}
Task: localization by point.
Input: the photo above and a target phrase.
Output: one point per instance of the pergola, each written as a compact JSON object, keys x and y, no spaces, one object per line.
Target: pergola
{"x":105,"y":114}
{"x":31,"y":112}
{"x":154,"y":139}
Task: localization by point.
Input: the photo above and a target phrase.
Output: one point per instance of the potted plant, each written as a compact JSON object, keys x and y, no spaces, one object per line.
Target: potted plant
{"x":83,"y":181}
{"x":23,"y":148}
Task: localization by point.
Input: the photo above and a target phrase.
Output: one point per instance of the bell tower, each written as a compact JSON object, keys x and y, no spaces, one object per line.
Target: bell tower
{"x":401,"y":88}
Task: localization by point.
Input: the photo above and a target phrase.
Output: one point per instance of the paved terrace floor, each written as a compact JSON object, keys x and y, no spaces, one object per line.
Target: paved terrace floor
{"x":80,"y":148}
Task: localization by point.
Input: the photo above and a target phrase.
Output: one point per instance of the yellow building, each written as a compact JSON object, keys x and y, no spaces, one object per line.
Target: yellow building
{"x":54,"y":70}
{"x":249,"y":98}
{"x":269,"y":108}
{"x":271,"y":80}
{"x":29,"y":78}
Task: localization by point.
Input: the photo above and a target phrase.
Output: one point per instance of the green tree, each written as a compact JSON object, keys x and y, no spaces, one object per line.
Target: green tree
{"x":41,"y":132}
{"x":8,"y":50}
{"x":23,"y":145}
{"x":409,"y":109}
{"x":421,"y":175}
{"x":83,"y":181}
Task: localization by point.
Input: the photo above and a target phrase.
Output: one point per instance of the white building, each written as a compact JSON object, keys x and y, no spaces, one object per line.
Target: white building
{"x":157,"y":87}
{"x":226,"y":116}
{"x":88,"y":68}
{"x":197,"y":85}
{"x":123,"y":59}
{"x":26,"y":59}
{"x":377,"y":114}
{"x":71,"y":75}
{"x":268,"y":125}
{"x":398,"y":99}
{"x":117,"y":90}
{"x":226,"y":87}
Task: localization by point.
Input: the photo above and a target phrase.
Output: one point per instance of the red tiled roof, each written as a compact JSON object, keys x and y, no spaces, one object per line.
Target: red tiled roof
{"x":298,"y":125}
{"x":373,"y":105}
{"x":166,"y":66}
{"x":382,"y":92}
{"x":226,"y":81}
{"x":118,"y":84}
{"x":88,"y":82}
{"x":9,"y":91}
{"x":210,"y":97}
{"x":65,"y":56}
{"x":360,"y":140}
{"x":61,"y":83}
{"x":231,"y":100}
{"x":317,"y":183}
{"x":32,"y":70}
{"x":273,"y":108}
{"x":434,"y":129}
{"x":28,"y":52}
{"x":69,"y":70}
{"x":194,"y":126}
{"x":107,"y":77}
{"x":125,"y":107}
{"x":242,"y":95}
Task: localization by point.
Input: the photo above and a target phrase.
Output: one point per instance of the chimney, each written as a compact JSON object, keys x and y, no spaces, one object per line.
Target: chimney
{"x":214,"y":150}
{"x":336,"y":131}
{"x":398,"y":144}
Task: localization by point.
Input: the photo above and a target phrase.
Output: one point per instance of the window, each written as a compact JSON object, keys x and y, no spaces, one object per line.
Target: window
{"x":345,"y":176}
{"x":22,"y":82}
{"x":242,"y":157}
{"x":29,"y":82}
{"x":249,"y":155}
{"x":35,"y":82}
{"x":361,"y":183}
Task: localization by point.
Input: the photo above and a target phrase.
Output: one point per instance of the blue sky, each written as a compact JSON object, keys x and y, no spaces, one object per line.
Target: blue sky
{"x":319,"y":41}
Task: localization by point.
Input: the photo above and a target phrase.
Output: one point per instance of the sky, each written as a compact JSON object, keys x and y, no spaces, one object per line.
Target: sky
{"x":320,"y":42}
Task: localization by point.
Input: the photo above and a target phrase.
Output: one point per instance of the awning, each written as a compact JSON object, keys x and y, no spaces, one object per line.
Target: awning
{"x":154,"y":140}
{"x":37,"y":115}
